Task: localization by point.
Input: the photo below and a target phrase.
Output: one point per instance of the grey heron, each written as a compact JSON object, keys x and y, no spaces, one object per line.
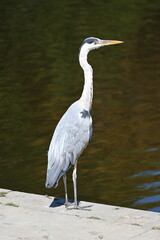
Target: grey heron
{"x":74,"y":129}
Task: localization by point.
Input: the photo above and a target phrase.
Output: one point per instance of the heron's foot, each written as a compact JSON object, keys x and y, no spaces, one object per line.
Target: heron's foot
{"x":68,"y":204}
{"x":73,"y":206}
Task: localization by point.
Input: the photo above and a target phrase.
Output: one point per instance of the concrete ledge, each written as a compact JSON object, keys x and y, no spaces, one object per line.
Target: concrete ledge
{"x":28,"y":216}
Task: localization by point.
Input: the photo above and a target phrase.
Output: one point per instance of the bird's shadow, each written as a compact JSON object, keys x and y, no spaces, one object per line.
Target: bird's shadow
{"x":57,"y":202}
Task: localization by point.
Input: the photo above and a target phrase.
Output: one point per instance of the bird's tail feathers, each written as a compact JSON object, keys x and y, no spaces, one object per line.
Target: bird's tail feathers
{"x":53,"y":175}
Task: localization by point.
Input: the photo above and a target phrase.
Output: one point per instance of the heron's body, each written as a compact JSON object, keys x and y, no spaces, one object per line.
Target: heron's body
{"x":70,"y":137}
{"x":74,"y":129}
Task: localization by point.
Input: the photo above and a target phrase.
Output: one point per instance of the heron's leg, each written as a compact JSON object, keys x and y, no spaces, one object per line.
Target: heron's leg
{"x":65,"y":189}
{"x":74,"y":177}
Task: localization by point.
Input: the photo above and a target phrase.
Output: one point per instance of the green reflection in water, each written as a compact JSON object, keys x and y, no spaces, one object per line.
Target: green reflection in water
{"x":40,"y":77}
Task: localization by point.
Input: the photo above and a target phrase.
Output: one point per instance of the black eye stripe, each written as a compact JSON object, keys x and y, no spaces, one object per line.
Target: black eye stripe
{"x":89,"y":40}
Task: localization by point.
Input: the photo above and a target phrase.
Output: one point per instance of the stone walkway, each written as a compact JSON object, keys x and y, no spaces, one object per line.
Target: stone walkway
{"x":35,"y":217}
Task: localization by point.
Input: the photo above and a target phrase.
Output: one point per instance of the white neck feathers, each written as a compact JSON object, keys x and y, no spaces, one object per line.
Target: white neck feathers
{"x":87,"y":94}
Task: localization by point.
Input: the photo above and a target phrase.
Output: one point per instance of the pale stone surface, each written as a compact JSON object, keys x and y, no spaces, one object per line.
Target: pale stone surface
{"x":28,"y":216}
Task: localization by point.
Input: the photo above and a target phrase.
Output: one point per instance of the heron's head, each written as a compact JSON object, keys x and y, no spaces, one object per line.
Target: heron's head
{"x":94,"y":43}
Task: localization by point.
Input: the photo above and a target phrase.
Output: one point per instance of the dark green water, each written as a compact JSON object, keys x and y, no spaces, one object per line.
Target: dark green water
{"x":40,"y":77}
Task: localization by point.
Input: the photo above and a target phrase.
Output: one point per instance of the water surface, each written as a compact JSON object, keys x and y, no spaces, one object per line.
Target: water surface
{"x":40,"y":77}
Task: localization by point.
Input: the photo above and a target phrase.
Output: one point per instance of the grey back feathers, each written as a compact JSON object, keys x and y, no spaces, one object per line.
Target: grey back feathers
{"x":70,"y":138}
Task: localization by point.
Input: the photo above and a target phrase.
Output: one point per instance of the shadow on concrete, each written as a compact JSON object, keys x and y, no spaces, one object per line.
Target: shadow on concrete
{"x":57,"y":202}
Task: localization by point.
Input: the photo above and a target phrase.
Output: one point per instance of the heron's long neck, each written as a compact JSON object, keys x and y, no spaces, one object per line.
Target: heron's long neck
{"x":87,"y":94}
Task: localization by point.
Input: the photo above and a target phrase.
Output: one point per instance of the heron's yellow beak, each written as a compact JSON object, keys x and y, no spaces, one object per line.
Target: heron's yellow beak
{"x":111,"y":42}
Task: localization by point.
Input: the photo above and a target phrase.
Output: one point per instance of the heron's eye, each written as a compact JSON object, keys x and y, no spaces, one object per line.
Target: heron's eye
{"x":95,"y":42}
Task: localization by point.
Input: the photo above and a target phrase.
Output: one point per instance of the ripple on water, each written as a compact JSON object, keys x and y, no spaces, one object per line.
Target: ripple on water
{"x":150,"y":199}
{"x":147,"y":173}
{"x":151,"y":187}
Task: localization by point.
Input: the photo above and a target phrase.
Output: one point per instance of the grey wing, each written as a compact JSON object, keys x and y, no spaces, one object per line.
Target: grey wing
{"x":71,"y":136}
